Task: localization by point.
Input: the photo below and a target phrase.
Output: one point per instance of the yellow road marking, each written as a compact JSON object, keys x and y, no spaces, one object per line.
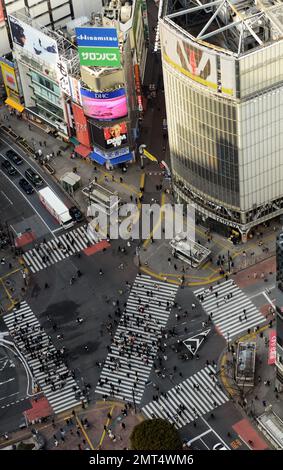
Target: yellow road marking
{"x":158,"y":223}
{"x":104,"y":432}
{"x":84,"y":433}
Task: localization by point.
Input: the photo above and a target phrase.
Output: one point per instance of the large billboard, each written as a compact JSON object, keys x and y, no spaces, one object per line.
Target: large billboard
{"x":116,"y":135}
{"x":196,"y":62}
{"x":33,"y":41}
{"x":81,"y":125}
{"x":98,"y":47}
{"x":9,"y":77}
{"x":104,"y":106}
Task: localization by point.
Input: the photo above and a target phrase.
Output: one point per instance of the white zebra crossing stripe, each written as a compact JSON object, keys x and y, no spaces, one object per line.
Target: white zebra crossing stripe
{"x":233,"y":313}
{"x":55,"y":250}
{"x":45,"y":368}
{"x":198,"y":395}
{"x":128,"y":365}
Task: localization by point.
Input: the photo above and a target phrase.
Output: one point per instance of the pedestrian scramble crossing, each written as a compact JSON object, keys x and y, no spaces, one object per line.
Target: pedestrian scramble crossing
{"x":128,"y":364}
{"x":232,"y":312}
{"x":59,"y":248}
{"x":194,"y":397}
{"x":46,"y":364}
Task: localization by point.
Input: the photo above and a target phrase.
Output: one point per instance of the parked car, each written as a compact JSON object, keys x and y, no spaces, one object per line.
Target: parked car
{"x":33,"y":177}
{"x":26,"y":186}
{"x":12,"y":155}
{"x":76,"y":214}
{"x":219,"y":446}
{"x":8,"y":168}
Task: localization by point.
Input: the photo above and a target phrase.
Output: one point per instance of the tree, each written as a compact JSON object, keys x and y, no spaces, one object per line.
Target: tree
{"x":155,"y":434}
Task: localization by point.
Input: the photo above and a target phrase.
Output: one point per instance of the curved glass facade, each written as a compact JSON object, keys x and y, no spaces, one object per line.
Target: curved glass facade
{"x":203,"y":139}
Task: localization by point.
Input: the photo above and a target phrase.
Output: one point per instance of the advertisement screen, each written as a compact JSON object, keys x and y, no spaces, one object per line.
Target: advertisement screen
{"x":81,"y":126}
{"x":98,"y":47}
{"x":33,"y":41}
{"x":104,"y":106}
{"x":1,"y":11}
{"x":9,"y":78}
{"x":116,"y":135}
{"x":196,"y":62}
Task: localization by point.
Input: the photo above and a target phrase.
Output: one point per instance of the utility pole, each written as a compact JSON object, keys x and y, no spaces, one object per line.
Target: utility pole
{"x":134,"y":401}
{"x":229,"y":266}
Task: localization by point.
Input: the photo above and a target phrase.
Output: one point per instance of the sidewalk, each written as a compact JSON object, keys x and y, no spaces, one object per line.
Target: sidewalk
{"x":71,"y":432}
{"x":13,"y":280}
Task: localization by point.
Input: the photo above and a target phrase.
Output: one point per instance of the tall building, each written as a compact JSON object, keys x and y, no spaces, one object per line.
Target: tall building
{"x":67,"y":82}
{"x":107,"y":108}
{"x":223,"y":68}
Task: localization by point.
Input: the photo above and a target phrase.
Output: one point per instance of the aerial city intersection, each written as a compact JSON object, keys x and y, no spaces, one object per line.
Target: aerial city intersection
{"x":140,"y":230}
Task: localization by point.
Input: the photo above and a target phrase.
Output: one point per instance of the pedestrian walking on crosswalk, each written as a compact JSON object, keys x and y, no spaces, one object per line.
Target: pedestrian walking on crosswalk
{"x":57,"y":249}
{"x":185,"y":402}
{"x":232,"y":314}
{"x":46,"y":363}
{"x":134,"y":345}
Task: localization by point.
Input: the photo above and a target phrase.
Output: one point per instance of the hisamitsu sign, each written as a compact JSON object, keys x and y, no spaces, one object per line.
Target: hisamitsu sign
{"x":98,"y":47}
{"x":97,"y":37}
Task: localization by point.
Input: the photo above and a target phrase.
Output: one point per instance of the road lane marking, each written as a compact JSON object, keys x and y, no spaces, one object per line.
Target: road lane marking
{"x":198,"y":437}
{"x":8,"y":396}
{"x":7,"y":198}
{"x":29,"y":202}
{"x":7,"y":381}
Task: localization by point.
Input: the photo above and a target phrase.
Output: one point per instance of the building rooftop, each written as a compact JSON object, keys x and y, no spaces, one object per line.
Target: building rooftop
{"x":233,"y":26}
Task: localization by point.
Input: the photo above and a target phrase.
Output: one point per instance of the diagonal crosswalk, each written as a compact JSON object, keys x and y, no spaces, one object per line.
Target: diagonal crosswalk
{"x":128,"y":364}
{"x":47,"y":364}
{"x":196,"y":396}
{"x":57,"y":249}
{"x":230,"y":309}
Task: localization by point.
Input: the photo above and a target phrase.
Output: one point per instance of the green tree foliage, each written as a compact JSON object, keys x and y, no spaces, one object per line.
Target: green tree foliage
{"x":155,"y":434}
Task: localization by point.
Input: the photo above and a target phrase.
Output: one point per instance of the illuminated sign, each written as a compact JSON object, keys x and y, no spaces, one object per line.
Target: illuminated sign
{"x":104,"y":106}
{"x":115,"y":135}
{"x":98,"y":47}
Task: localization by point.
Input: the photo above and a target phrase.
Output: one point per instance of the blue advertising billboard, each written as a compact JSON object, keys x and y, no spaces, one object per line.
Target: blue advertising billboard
{"x":97,"y":37}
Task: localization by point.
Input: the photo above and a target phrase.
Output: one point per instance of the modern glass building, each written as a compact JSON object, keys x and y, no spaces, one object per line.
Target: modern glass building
{"x":223,"y":78}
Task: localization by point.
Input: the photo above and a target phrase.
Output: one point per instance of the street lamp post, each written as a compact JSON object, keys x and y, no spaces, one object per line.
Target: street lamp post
{"x":134,"y":401}
{"x":229,"y":266}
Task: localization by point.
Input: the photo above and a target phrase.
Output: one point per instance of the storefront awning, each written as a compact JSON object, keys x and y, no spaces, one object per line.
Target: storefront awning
{"x":74,"y":140}
{"x":82,"y":150}
{"x":97,"y":158}
{"x":122,"y":159}
{"x":19,"y":107}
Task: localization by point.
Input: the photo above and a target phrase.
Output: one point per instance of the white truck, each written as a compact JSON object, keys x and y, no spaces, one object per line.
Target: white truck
{"x":56,"y":207}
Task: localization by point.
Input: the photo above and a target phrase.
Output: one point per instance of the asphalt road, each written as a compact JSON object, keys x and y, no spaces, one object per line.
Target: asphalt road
{"x":36,"y":216}
{"x":13,"y":390}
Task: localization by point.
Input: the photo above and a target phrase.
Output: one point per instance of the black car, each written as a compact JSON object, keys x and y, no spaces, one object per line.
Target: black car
{"x":14,"y":157}
{"x":76,"y":214}
{"x":24,"y":184}
{"x":33,"y":177}
{"x":6,"y":165}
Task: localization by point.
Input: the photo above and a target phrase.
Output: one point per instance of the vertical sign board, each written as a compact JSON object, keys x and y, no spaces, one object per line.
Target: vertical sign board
{"x":2,"y":16}
{"x":62,"y":72}
{"x":81,"y":125}
{"x":272,"y":347}
{"x":98,"y":47}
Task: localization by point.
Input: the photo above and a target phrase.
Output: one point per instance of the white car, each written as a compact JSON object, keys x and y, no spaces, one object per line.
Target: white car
{"x":219,"y":446}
